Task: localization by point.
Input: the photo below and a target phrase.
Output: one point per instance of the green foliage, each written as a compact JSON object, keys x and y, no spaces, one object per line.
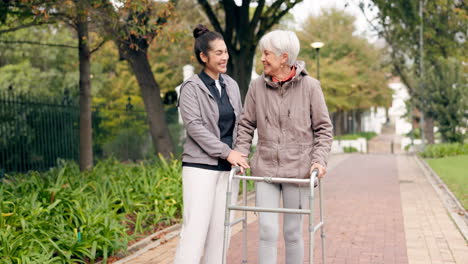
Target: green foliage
{"x":415,"y":133}
{"x":444,"y":150}
{"x":452,"y":170}
{"x":41,"y":214}
{"x":35,"y":133}
{"x":128,"y":144}
{"x":445,"y":98}
{"x":350,"y":149}
{"x":407,"y":147}
{"x":399,"y":22}
{"x":444,"y":24}
{"x":352,"y":74}
{"x":41,"y":71}
{"x":366,"y":135}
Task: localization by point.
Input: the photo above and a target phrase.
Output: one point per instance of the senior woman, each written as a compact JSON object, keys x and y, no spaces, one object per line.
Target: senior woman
{"x":288,"y":109}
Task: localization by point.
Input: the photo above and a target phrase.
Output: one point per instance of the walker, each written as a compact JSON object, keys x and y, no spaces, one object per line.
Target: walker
{"x":245,"y":208}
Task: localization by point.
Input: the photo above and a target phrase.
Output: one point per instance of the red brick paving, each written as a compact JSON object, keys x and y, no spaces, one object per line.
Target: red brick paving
{"x":364,"y":226}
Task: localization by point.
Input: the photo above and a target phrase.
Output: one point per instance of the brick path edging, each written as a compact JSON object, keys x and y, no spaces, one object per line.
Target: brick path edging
{"x":166,"y":234}
{"x":154,"y":240}
{"x":450,"y":202}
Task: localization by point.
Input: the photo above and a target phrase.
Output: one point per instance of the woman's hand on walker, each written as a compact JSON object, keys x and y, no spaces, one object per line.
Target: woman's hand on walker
{"x":321,"y":170}
{"x":238,"y":159}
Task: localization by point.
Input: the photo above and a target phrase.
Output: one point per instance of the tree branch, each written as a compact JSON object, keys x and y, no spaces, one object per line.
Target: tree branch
{"x":272,"y":9}
{"x":98,"y":46}
{"x":32,"y":24}
{"x":211,"y":16}
{"x":257,"y":14}
{"x":230,"y":24}
{"x":275,"y":17}
{"x":37,"y":43}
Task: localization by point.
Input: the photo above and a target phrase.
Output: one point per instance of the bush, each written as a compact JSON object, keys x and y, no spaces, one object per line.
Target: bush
{"x":415,"y":133}
{"x":444,"y":150}
{"x":349,"y":149}
{"x":64,"y":216}
{"x":366,"y":135}
{"x":407,"y":147}
{"x":129,"y":144}
{"x":347,"y":137}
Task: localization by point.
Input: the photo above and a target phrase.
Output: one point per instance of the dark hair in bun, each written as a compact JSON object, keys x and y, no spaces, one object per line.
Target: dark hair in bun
{"x":203,"y":36}
{"x":200,"y":30}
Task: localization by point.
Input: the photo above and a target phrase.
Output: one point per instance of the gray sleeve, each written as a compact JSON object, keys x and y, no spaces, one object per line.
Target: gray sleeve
{"x":321,"y":125}
{"x":191,"y":115}
{"x":247,"y":123}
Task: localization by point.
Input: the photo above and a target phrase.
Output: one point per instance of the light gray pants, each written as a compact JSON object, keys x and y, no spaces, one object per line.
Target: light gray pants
{"x":204,"y":195}
{"x":295,"y":197}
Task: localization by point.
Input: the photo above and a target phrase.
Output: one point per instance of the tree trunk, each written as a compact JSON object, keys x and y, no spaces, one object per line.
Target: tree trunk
{"x":339,"y":130}
{"x":358,"y":121}
{"x":154,"y":107}
{"x":429,"y":130}
{"x":242,"y":74}
{"x":86,"y":148}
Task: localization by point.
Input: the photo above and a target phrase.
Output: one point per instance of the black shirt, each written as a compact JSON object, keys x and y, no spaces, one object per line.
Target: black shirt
{"x":226,"y":121}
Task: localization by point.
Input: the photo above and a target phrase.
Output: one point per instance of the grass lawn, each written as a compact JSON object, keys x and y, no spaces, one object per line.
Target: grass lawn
{"x":454,"y":172}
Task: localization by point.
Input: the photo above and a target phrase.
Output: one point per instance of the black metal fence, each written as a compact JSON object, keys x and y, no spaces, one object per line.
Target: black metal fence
{"x":33,"y":135}
{"x":36,"y":134}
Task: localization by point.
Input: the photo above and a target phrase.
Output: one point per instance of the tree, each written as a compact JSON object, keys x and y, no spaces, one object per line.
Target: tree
{"x":133,"y":27}
{"x":447,"y":91}
{"x":398,"y":22}
{"x":242,"y":30}
{"x":76,"y":14}
{"x":352,"y":75}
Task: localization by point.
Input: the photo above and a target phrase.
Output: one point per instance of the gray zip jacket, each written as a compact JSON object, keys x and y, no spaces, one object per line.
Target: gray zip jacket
{"x":200,"y":114}
{"x":294,"y":128}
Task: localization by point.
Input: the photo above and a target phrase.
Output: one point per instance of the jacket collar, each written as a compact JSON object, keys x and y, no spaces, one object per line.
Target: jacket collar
{"x":208,"y":80}
{"x":300,"y":72}
{"x":196,"y":79}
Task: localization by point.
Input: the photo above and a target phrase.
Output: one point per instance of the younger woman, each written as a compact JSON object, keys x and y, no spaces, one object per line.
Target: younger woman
{"x":210,"y":106}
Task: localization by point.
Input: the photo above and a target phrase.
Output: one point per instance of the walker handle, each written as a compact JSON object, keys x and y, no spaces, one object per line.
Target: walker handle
{"x":314,"y":173}
{"x":235,"y":169}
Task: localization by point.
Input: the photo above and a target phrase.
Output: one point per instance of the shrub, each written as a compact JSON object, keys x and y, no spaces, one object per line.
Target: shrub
{"x":65,"y":216}
{"x":128,"y":144}
{"x":407,"y":147}
{"x":349,"y":149}
{"x":366,"y":135}
{"x":415,"y":133}
{"x":444,"y":150}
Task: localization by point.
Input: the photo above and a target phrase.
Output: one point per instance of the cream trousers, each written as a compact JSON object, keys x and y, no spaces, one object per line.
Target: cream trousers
{"x":204,"y":195}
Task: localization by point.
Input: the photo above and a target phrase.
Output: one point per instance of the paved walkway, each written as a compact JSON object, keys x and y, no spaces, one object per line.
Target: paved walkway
{"x":380,"y":208}
{"x":382,"y":144}
{"x":364,"y":222}
{"x":431,"y":236}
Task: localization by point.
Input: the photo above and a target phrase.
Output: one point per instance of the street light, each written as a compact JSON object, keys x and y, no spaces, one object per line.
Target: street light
{"x":317,"y":46}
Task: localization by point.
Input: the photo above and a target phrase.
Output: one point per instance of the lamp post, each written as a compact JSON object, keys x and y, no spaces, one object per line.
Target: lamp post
{"x":317,"y":46}
{"x":421,"y":70}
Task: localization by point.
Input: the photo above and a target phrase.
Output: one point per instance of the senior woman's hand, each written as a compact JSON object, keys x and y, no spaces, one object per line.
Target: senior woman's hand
{"x":237,"y":158}
{"x":321,"y":170}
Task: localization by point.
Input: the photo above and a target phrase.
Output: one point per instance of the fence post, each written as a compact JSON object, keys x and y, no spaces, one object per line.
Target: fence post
{"x":128,"y":109}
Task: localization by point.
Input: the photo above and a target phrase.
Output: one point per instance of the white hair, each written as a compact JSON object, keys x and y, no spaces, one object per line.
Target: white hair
{"x":280,"y":42}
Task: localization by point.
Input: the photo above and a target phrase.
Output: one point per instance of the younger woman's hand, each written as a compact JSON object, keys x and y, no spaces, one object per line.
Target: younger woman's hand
{"x":238,"y":159}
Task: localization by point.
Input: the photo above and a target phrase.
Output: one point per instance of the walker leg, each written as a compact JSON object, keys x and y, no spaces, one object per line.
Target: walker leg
{"x":244,"y":223}
{"x":227,"y":218}
{"x":311,"y":222}
{"x":322,"y":230}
